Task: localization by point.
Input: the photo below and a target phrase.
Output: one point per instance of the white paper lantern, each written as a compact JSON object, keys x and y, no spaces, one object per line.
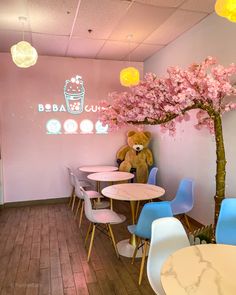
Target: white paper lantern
{"x":23,"y":54}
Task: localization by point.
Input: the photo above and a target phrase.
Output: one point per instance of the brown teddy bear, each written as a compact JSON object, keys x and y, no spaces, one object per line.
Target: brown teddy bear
{"x":136,"y":155}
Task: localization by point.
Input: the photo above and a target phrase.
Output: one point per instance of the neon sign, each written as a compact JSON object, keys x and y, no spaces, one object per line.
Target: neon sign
{"x":74,"y":96}
{"x":70,"y":126}
{"x":48,"y":108}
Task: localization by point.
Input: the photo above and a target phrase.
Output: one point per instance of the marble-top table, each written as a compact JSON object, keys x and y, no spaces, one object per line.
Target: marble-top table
{"x":200,"y":270}
{"x":94,"y":169}
{"x":132,"y":192}
{"x":109,"y":176}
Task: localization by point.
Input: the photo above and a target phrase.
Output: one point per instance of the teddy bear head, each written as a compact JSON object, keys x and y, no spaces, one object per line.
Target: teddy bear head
{"x":138,"y":140}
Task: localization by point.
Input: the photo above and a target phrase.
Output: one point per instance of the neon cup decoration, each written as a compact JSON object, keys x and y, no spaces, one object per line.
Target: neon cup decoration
{"x":74,"y":95}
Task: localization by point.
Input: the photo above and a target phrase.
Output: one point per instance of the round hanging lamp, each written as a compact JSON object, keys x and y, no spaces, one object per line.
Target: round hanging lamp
{"x":226,"y":8}
{"x":129,"y":77}
{"x":23,"y":54}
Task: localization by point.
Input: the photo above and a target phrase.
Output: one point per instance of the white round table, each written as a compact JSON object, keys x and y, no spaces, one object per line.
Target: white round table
{"x":99,"y":168}
{"x":132,"y":192}
{"x":115,"y":176}
{"x":94,"y":169}
{"x":200,"y":270}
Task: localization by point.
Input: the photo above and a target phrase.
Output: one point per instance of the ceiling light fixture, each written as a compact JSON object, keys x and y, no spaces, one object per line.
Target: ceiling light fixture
{"x":227,"y":9}
{"x":23,"y":54}
{"x":129,"y":76}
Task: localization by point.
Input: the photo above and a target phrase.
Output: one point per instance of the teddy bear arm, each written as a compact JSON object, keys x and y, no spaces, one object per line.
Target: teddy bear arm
{"x":122,"y":152}
{"x":149,"y":157}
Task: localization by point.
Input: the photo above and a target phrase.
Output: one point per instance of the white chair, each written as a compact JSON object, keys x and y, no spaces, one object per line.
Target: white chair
{"x":168,"y":235}
{"x":72,"y":174}
{"x":72,"y":183}
{"x":97,"y":217}
{"x":90,"y":193}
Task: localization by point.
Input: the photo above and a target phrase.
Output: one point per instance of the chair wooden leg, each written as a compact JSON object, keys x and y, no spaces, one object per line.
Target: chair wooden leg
{"x":135,"y":250}
{"x":77,"y":209}
{"x":73,"y":202}
{"x":91,"y":242}
{"x":113,"y":240}
{"x":71,"y":197}
{"x":187,"y":222}
{"x":87,"y":234}
{"x":143,"y":262}
{"x":81,"y":214}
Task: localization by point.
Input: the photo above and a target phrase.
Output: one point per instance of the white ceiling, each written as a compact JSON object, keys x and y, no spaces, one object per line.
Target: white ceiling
{"x":60,"y":27}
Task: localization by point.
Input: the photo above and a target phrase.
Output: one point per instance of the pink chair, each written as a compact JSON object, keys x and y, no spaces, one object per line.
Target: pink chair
{"x":97,"y":217}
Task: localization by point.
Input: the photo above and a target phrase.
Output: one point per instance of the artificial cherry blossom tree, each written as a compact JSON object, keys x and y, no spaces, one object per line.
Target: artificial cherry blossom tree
{"x":166,"y":101}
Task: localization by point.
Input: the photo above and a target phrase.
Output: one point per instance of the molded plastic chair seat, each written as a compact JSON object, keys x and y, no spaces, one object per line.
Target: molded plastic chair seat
{"x":72,"y":175}
{"x":184,"y":199}
{"x":107,"y":216}
{"x":142,"y":229}
{"x":100,"y":216}
{"x":226,"y":224}
{"x":152,"y":177}
{"x":180,"y":208}
{"x":168,"y":235}
{"x":91,"y":194}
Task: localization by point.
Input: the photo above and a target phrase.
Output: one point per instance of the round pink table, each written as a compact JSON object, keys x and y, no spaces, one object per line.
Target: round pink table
{"x":132,"y":192}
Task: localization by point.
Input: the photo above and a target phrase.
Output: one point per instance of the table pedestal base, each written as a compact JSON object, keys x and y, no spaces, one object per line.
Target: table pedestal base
{"x":127,"y":250}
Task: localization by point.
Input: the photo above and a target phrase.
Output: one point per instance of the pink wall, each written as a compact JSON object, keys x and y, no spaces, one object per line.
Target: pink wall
{"x":33,"y":161}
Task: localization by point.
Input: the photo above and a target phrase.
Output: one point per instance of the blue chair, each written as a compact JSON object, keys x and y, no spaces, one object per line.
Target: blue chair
{"x":184,"y":199}
{"x":152,"y":178}
{"x":226,"y":224}
{"x":149,"y":213}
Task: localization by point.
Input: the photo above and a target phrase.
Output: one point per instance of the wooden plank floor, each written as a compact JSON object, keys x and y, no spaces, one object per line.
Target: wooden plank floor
{"x":42,"y":252}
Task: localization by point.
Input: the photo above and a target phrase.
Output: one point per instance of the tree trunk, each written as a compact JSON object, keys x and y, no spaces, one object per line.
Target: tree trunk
{"x":220,"y":165}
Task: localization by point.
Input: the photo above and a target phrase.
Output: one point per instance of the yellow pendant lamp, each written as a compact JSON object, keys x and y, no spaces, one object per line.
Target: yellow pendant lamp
{"x":129,"y":76}
{"x":226,"y":8}
{"x":23,"y":54}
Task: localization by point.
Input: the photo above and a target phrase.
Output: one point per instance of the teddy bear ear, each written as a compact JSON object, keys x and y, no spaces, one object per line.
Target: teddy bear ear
{"x":131,"y":133}
{"x":148,"y":134}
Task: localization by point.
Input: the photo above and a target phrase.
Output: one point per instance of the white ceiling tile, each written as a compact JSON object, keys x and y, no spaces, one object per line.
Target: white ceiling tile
{"x":163,"y":3}
{"x":50,"y":44}
{"x":10,"y":12}
{"x":99,"y":15}
{"x":140,"y":21}
{"x":84,"y":47}
{"x":177,"y":24}
{"x":9,"y":38}
{"x":52,"y":16}
{"x":143,"y":51}
{"x":116,"y":50}
{"x":200,"y":5}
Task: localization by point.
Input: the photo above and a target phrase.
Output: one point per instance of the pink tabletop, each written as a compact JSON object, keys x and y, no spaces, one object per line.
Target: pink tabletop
{"x":133,"y":191}
{"x":111,"y":176}
{"x":93,"y":169}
